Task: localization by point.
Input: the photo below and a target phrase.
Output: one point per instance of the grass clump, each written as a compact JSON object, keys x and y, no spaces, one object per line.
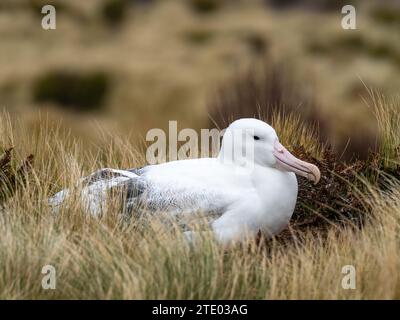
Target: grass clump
{"x":294,"y":133}
{"x":72,"y":90}
{"x":264,"y":92}
{"x":12,"y":178}
{"x":386,"y":15}
{"x":198,"y":36}
{"x":107,"y":258}
{"x":336,"y":199}
{"x":355,"y":44}
{"x":343,"y":220}
{"x":205,"y":6}
{"x":387,"y":113}
{"x":350,"y":43}
{"x":257,"y":43}
{"x":317,"y":5}
{"x":114,"y":11}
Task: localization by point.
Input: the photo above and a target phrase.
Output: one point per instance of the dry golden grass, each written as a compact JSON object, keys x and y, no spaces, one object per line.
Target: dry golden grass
{"x":155,"y":68}
{"x":387,"y":113}
{"x":108,"y":258}
{"x":160,"y":72}
{"x":292,"y":132}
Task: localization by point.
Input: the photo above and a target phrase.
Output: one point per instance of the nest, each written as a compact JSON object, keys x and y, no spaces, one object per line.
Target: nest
{"x":339,"y":198}
{"x":12,"y":177}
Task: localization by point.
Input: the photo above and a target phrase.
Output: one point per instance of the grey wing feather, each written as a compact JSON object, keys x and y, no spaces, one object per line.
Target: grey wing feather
{"x":93,"y":189}
{"x":141,"y":196}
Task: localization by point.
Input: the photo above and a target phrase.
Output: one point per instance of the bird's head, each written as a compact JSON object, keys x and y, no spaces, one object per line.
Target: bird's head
{"x":252,"y":141}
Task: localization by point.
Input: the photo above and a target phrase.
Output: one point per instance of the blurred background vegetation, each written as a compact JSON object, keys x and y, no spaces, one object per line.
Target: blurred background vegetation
{"x":132,"y":65}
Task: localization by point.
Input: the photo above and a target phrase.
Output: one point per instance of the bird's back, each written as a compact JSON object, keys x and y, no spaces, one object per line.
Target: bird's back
{"x":185,"y":186}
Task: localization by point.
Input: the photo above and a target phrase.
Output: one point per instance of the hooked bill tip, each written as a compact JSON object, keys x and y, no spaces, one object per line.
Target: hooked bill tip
{"x":315,"y":174}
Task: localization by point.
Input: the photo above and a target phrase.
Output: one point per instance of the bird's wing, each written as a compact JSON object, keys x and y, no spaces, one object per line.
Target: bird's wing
{"x":94,"y":189}
{"x":178,"y":194}
{"x":180,"y":189}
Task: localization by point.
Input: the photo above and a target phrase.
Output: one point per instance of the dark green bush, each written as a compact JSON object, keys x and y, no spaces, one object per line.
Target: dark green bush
{"x":350,"y":42}
{"x":317,"y":5}
{"x":113,"y":11}
{"x":281,"y":4}
{"x":11,"y":176}
{"x":386,"y":15}
{"x":381,"y":50}
{"x":76,"y":91}
{"x":198,"y":36}
{"x":257,"y":43}
{"x":317,"y":47}
{"x":355,"y":44}
{"x":205,"y":6}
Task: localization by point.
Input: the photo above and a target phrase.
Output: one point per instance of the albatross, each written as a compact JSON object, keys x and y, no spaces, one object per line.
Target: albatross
{"x":250,"y":186}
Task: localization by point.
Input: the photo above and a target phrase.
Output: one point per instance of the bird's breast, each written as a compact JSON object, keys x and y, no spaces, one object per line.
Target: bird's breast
{"x":278,"y":195}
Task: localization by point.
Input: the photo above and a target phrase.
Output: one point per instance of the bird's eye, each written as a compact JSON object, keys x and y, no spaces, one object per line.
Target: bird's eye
{"x":256,"y":138}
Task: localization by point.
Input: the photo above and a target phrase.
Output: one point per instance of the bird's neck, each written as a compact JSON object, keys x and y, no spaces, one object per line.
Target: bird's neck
{"x":266,"y":178}
{"x":237,"y":160}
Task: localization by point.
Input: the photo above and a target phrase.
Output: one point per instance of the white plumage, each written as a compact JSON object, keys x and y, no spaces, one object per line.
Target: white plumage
{"x":241,"y":192}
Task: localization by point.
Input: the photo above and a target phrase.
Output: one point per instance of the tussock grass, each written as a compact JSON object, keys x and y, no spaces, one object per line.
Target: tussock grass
{"x":293,"y":133}
{"x":79,"y":92}
{"x":108,"y":258}
{"x":261,"y":91}
{"x":387,"y":113}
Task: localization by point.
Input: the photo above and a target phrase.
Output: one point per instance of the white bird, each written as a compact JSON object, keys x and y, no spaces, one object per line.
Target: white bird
{"x":249,"y":187}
